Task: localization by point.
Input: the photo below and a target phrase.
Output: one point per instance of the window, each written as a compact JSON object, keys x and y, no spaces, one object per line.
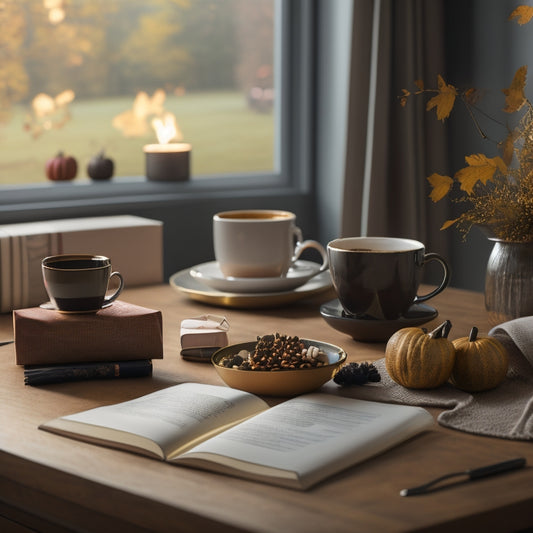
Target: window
{"x":81,"y":76}
{"x":186,"y":208}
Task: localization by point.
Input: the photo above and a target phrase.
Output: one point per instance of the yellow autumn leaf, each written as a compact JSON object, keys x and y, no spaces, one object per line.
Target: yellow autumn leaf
{"x":404,"y":96}
{"x":481,"y":168}
{"x":514,"y":95}
{"x":441,"y":186}
{"x":523,"y":14}
{"x":449,"y":223}
{"x":420,"y":84}
{"x":478,"y":160}
{"x":472,"y":96}
{"x":444,"y":100}
{"x":508,"y":148}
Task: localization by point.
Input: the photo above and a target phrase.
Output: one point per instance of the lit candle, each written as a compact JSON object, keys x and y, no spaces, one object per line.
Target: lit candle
{"x":167,"y":162}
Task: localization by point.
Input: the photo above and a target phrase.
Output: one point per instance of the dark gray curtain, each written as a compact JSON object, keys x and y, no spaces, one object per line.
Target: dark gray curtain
{"x":408,"y":143}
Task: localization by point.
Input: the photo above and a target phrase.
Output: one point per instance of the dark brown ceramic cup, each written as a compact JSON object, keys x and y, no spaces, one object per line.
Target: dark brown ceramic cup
{"x":77,"y":283}
{"x":379,"y":277}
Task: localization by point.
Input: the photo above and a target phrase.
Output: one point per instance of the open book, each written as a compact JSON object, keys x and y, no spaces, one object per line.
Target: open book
{"x":294,"y":444}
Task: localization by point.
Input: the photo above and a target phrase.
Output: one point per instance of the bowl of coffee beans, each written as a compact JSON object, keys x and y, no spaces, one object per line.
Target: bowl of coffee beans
{"x":278,"y":365}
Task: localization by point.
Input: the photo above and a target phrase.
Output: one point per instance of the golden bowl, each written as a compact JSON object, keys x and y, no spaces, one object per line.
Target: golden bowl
{"x":279,"y":382}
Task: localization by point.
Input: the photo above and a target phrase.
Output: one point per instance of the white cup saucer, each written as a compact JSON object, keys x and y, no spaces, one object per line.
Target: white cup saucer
{"x":299,"y":274}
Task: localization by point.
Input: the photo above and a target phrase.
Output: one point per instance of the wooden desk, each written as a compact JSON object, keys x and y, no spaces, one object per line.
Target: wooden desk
{"x":53,"y":483}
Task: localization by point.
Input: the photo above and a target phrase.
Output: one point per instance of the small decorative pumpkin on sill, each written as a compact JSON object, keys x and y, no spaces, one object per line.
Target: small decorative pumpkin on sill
{"x":61,"y":168}
{"x":419,"y":360}
{"x":100,"y":167}
{"x":481,"y":363}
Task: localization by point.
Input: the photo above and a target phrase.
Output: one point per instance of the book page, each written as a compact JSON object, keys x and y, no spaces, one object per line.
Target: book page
{"x":310,"y":437}
{"x":163,"y":422}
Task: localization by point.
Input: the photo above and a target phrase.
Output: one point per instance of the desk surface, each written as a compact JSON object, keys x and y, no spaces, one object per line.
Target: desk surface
{"x":47,"y":479}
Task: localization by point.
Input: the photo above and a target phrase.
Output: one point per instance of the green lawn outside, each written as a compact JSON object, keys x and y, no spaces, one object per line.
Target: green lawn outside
{"x":227,"y":138}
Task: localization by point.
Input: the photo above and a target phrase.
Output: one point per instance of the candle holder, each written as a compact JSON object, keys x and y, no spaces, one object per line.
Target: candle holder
{"x":167,"y":162}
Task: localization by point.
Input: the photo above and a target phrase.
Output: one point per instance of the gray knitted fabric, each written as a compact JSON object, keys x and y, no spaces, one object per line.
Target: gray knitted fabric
{"x":505,"y":412}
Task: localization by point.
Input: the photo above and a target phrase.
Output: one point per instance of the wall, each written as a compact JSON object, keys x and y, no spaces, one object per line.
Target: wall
{"x":484,"y":50}
{"x":333,"y":70}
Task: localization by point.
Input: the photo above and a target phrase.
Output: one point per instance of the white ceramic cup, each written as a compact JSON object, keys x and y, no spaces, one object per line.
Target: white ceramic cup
{"x":259,"y":243}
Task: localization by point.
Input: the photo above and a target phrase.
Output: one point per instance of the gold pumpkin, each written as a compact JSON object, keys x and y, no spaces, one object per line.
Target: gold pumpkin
{"x":481,"y":363}
{"x":420,"y":360}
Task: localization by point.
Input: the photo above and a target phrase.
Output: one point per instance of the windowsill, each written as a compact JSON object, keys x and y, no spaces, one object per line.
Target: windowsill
{"x":138,"y":189}
{"x":84,"y":197}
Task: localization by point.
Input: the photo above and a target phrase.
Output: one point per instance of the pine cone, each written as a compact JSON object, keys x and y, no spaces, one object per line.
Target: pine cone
{"x":357,"y":374}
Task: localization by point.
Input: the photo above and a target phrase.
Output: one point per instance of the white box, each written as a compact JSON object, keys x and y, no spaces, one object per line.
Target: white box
{"x":206,"y":331}
{"x":134,"y":245}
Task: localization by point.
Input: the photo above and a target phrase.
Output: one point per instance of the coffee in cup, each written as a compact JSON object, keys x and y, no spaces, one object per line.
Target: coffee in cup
{"x":77,"y":283}
{"x":379,"y":277}
{"x":259,"y":243}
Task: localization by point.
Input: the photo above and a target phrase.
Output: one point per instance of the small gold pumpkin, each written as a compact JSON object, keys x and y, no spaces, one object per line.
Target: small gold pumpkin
{"x":420,"y":360}
{"x":481,"y":363}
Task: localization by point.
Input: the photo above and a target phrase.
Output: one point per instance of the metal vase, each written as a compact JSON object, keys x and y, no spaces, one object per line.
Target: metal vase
{"x":509,"y":281}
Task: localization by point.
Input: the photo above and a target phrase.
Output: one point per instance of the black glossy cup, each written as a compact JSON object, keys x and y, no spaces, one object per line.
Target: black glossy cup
{"x":379,"y":277}
{"x":77,"y":283}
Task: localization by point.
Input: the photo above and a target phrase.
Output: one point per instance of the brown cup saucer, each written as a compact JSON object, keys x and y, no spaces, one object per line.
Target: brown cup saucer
{"x":370,"y":329}
{"x":50,"y":306}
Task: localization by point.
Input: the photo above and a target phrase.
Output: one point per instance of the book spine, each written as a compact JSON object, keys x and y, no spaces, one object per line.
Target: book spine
{"x":5,"y":273}
{"x":41,"y":375}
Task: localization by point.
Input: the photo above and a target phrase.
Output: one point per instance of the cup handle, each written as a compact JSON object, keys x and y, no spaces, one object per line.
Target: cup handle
{"x":301,"y":246}
{"x":114,"y":296}
{"x":444,"y":283}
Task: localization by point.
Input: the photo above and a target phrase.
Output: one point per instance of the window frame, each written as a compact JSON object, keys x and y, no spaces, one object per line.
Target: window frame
{"x":292,"y":175}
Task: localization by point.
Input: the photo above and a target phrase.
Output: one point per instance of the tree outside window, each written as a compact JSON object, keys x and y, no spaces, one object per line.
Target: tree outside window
{"x":81,"y":76}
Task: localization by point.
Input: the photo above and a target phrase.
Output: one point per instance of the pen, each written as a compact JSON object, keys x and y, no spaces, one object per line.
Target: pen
{"x":475,"y":473}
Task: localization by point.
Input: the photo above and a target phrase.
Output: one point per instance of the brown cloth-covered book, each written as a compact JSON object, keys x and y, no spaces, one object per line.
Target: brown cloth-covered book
{"x":120,"y":332}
